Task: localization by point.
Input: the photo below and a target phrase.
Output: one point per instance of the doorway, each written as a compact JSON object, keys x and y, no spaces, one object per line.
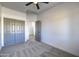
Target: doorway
{"x":38,"y":31}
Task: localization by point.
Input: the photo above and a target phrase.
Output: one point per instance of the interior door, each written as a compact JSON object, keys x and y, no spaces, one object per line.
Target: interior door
{"x":14,"y":32}
{"x":38,"y":31}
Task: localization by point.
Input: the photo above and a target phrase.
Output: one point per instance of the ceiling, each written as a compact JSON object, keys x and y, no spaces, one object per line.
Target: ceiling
{"x":20,"y":6}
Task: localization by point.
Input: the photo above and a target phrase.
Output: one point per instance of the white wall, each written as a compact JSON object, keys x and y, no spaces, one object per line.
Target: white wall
{"x":10,"y":13}
{"x":60,"y":27}
{"x":31,"y":16}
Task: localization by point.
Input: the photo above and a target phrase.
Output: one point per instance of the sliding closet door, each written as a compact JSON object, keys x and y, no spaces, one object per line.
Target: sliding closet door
{"x":13,"y":32}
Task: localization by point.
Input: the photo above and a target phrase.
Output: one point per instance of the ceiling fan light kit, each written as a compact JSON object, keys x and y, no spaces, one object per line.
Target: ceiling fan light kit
{"x":35,"y":2}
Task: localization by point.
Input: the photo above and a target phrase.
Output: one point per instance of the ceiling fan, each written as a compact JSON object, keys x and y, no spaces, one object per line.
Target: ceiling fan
{"x":36,"y":3}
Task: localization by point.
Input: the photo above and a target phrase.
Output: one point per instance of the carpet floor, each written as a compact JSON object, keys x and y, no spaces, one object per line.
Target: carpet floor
{"x":33,"y":49}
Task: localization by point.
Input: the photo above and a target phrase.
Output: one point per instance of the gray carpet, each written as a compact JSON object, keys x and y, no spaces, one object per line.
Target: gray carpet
{"x":33,"y":49}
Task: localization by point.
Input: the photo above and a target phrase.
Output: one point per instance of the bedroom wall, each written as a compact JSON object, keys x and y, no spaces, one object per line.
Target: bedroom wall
{"x":10,"y":13}
{"x":60,"y":27}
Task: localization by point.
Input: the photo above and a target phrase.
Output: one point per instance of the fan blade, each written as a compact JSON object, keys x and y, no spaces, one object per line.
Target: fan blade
{"x":46,"y":2}
{"x":37,"y":6}
{"x":29,"y":3}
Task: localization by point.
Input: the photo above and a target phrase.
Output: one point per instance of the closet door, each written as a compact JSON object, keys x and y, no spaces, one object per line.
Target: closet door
{"x":13,"y":32}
